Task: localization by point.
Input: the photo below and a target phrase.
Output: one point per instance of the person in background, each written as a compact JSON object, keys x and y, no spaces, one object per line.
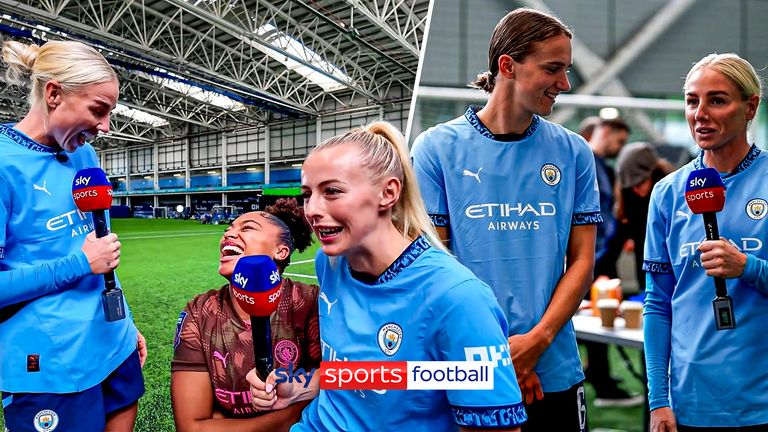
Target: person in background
{"x":515,"y":197}
{"x":63,"y":366}
{"x":638,"y":168}
{"x":213,"y":348}
{"x":606,"y":139}
{"x":699,"y":377}
{"x":392,"y":293}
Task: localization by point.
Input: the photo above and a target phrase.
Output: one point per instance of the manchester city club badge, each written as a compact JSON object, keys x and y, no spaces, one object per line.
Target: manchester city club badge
{"x":390,"y":337}
{"x":46,"y":421}
{"x":550,"y":173}
{"x":756,"y":208}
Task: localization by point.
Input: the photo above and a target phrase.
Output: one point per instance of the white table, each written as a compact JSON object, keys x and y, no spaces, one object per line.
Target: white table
{"x":589,"y":328}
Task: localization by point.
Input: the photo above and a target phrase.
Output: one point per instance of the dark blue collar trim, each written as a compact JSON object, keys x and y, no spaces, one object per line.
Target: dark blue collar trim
{"x":21,"y":139}
{"x":474,"y":120}
{"x":657,"y":267}
{"x":440,"y":220}
{"x":409,"y":255}
{"x":753,"y":153}
{"x":505,"y":417}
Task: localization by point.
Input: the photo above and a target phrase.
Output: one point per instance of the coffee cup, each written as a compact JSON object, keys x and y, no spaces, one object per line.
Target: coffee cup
{"x":632,"y":311}
{"x":602,"y":288}
{"x":608,"y":309}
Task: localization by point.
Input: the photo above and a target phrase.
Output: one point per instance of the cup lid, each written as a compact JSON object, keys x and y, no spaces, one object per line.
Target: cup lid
{"x":631,"y":305}
{"x":607,"y":303}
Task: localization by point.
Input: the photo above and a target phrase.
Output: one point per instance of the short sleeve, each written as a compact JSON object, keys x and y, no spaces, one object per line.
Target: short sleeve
{"x":429,"y":175}
{"x":188,"y":354}
{"x":5,"y":204}
{"x":586,"y":204}
{"x":656,"y":257}
{"x":471,"y":326}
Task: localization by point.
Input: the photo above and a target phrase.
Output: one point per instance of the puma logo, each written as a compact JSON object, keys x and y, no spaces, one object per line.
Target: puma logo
{"x":327,"y":302}
{"x":221,"y":358}
{"x":476,"y":175}
{"x":683,"y":214}
{"x":42,"y":188}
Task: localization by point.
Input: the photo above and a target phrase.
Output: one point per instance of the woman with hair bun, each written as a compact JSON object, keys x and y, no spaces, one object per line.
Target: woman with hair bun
{"x":63,"y":366}
{"x":391,"y":293}
{"x":515,"y":197}
{"x":214,"y":345}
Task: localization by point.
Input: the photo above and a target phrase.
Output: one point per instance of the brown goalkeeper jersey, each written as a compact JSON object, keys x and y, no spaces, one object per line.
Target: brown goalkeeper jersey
{"x":211,"y":337}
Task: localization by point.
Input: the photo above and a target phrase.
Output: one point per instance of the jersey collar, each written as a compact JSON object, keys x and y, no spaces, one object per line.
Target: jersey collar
{"x":754,"y":151}
{"x":23,"y":140}
{"x":409,"y":255}
{"x":474,"y":120}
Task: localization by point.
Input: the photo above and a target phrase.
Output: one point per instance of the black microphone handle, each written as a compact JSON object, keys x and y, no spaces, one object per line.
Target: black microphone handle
{"x":100,"y":226}
{"x":262,"y":345}
{"x":713,"y":233}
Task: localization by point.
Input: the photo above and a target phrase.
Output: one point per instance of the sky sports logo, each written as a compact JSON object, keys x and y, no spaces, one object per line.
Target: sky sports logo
{"x":395,"y":375}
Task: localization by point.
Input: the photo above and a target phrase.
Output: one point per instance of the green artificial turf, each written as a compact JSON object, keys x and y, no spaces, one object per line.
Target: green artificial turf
{"x":165,"y":263}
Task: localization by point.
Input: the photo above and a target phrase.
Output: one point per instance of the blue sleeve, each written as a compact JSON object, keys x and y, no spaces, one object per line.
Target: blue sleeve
{"x":586,"y":208}
{"x":656,"y":256}
{"x":660,"y":285}
{"x":25,"y":283}
{"x":471,"y":326}
{"x":429,"y":175}
{"x":5,"y":204}
{"x":657,"y":334}
{"x":756,"y":274}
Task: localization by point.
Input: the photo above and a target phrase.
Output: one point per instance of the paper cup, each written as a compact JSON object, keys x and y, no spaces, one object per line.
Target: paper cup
{"x":604,"y":288}
{"x":633,"y":314}
{"x":608,"y":308}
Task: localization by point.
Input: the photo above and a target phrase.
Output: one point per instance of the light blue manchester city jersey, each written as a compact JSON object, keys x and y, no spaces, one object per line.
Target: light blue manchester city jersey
{"x":441,"y":312}
{"x":42,"y":269}
{"x":510,"y":207}
{"x":718,"y":378}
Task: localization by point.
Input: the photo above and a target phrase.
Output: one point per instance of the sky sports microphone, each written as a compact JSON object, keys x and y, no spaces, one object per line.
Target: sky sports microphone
{"x":705,"y":195}
{"x":92,"y":192}
{"x":256,"y":287}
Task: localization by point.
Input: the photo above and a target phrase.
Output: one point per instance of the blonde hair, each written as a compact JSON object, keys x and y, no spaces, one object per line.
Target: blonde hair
{"x":73,"y":64}
{"x":383,"y":151}
{"x":735,"y":68}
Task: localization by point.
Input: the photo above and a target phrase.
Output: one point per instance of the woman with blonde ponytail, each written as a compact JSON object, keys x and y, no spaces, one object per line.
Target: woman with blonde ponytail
{"x":515,"y":196}
{"x":71,"y":370}
{"x":390,"y":292}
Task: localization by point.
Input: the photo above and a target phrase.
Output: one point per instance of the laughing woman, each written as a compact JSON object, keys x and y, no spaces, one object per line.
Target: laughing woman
{"x":214,"y":346}
{"x":63,"y":366}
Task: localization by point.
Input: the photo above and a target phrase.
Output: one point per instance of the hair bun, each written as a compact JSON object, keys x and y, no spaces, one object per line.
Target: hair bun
{"x":289,"y":211}
{"x":484,"y":81}
{"x":20,"y":60}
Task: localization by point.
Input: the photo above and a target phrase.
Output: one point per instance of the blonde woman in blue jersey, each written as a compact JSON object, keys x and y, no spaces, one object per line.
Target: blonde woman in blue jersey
{"x":63,"y":366}
{"x":516,"y":196}
{"x":701,"y":378}
{"x":383,"y":272}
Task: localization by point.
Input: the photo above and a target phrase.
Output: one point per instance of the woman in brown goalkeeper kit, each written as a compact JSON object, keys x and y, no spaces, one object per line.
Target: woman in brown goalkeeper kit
{"x":213,"y":344}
